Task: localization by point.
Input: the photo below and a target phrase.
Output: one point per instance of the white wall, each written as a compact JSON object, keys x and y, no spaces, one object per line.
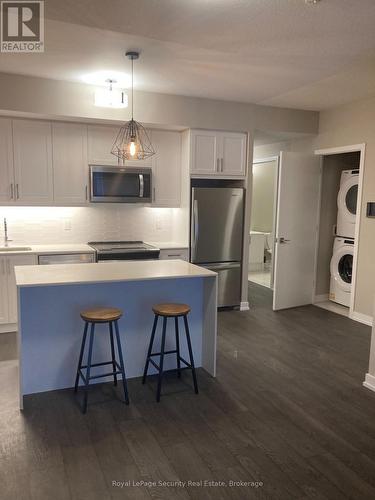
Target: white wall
{"x":38,"y":225}
{"x":263,"y":196}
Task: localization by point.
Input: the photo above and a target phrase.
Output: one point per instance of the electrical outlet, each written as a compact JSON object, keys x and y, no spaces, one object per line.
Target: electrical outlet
{"x":67,"y":225}
{"x":158,"y":223}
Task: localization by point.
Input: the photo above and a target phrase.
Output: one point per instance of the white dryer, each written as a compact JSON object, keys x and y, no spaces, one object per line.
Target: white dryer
{"x":347,"y":203}
{"x":341,"y":271}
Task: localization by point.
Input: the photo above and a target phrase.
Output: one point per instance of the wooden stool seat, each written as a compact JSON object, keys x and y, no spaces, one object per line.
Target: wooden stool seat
{"x":101,"y":314}
{"x":171,"y":310}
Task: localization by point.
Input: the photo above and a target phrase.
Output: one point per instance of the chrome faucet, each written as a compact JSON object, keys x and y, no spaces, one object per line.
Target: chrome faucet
{"x":6,"y":239}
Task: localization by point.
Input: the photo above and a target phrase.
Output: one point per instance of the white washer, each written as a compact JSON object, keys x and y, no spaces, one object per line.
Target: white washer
{"x":341,"y":271}
{"x":347,"y":203}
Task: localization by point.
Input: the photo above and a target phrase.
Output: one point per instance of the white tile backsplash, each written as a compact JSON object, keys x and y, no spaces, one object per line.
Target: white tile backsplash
{"x":43,"y":225}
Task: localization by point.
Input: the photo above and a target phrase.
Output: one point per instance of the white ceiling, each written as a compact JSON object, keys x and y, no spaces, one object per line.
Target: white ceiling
{"x":276,"y":52}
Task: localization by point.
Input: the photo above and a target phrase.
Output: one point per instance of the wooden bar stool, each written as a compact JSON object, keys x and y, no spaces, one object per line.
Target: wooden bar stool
{"x":92,"y":317}
{"x":170,"y":311}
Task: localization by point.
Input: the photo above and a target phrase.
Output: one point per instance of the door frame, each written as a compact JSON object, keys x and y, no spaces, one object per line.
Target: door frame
{"x":361,"y":148}
{"x":275,"y":198}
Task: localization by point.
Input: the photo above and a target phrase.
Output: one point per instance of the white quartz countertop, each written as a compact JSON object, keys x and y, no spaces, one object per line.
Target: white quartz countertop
{"x":48,"y":249}
{"x":69,"y":274}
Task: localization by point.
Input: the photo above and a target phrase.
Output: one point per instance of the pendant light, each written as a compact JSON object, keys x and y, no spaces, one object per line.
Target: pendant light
{"x":132,"y":141}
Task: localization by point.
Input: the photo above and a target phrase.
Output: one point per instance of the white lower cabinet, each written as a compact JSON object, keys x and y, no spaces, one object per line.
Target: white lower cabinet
{"x":8,"y":288}
{"x":3,"y":291}
{"x":174,"y":253}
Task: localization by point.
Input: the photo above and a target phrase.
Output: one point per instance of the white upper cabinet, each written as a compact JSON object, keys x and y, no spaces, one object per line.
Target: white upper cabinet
{"x":100,"y":142}
{"x":167,"y":168}
{"x":204,"y":155}
{"x":32,"y":150}
{"x":233,"y":154}
{"x":70,"y":166}
{"x":6,"y":162}
{"x":219,"y":154}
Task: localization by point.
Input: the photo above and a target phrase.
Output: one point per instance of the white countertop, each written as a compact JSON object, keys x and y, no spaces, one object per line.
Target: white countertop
{"x":49,"y":249}
{"x":69,"y":274}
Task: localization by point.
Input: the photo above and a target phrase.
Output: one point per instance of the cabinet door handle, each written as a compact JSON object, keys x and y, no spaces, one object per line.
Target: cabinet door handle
{"x":86,"y":191}
{"x":217,"y":164}
{"x":174,"y":255}
{"x":11,"y":191}
{"x":154,"y":191}
{"x":8,"y":265}
{"x":17,"y":192}
{"x":222,"y":164}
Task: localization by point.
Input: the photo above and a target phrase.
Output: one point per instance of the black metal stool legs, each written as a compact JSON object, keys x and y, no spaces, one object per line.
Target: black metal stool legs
{"x":191,"y":354}
{"x":150,"y":348}
{"x":81,"y":355}
{"x":124,"y":382}
{"x":177,"y":347}
{"x":113,"y":353}
{"x":88,"y":368}
{"x":117,"y":368}
{"x":162,"y":352}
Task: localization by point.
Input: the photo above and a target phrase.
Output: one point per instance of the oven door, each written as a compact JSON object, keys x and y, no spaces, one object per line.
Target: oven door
{"x":120,"y":184}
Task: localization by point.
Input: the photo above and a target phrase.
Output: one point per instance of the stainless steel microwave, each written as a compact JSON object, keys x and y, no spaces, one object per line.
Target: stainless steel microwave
{"x":120,"y":184}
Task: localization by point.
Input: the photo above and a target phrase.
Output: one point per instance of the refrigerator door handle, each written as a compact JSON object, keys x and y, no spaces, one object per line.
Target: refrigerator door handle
{"x":195,"y":228}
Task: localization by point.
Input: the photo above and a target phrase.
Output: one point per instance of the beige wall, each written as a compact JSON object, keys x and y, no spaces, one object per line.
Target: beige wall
{"x":262,"y":207}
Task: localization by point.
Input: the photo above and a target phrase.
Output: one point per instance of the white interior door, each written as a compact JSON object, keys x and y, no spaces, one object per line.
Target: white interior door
{"x":296,"y":230}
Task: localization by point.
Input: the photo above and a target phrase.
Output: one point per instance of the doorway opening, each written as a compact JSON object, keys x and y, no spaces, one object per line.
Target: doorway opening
{"x":263,"y":216}
{"x":338,"y":227}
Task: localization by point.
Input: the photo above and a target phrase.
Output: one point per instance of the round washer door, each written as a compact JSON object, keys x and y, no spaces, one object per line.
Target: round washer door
{"x":347,"y":198}
{"x":342,"y":267}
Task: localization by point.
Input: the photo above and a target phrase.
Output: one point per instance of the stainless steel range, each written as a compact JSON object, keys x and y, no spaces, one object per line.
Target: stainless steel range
{"x":124,"y":250}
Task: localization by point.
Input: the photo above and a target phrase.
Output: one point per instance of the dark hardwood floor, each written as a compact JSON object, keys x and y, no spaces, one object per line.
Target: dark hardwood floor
{"x":287,"y":412}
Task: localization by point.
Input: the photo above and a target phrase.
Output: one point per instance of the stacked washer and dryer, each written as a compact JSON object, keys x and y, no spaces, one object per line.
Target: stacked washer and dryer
{"x":343,"y":248}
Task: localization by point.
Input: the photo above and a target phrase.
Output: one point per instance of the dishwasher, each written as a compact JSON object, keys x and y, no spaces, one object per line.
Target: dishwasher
{"x":65,"y":258}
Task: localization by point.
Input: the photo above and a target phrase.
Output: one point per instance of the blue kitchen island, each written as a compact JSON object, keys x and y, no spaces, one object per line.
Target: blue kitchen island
{"x":50,"y":299}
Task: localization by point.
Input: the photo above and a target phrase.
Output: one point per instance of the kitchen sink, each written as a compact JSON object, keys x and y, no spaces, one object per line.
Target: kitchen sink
{"x":14,"y":249}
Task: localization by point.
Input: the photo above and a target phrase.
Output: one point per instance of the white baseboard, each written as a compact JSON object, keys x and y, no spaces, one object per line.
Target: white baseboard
{"x":244,"y":306}
{"x":8,"y":328}
{"x":362,"y":318}
{"x":369,"y":382}
{"x":321,"y":298}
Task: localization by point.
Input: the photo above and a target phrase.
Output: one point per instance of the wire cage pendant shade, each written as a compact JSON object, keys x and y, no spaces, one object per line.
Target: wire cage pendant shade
{"x":132,"y":141}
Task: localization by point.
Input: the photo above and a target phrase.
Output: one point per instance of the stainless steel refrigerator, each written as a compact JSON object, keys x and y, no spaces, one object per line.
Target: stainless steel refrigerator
{"x":216,"y":232}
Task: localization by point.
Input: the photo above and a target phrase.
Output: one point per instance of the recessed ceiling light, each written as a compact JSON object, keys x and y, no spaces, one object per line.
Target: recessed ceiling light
{"x":312,"y":1}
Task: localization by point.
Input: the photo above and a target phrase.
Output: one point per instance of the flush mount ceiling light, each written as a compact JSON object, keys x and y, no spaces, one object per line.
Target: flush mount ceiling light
{"x":312,"y":1}
{"x":132,"y":141}
{"x":111,"y":97}
{"x":120,"y":79}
